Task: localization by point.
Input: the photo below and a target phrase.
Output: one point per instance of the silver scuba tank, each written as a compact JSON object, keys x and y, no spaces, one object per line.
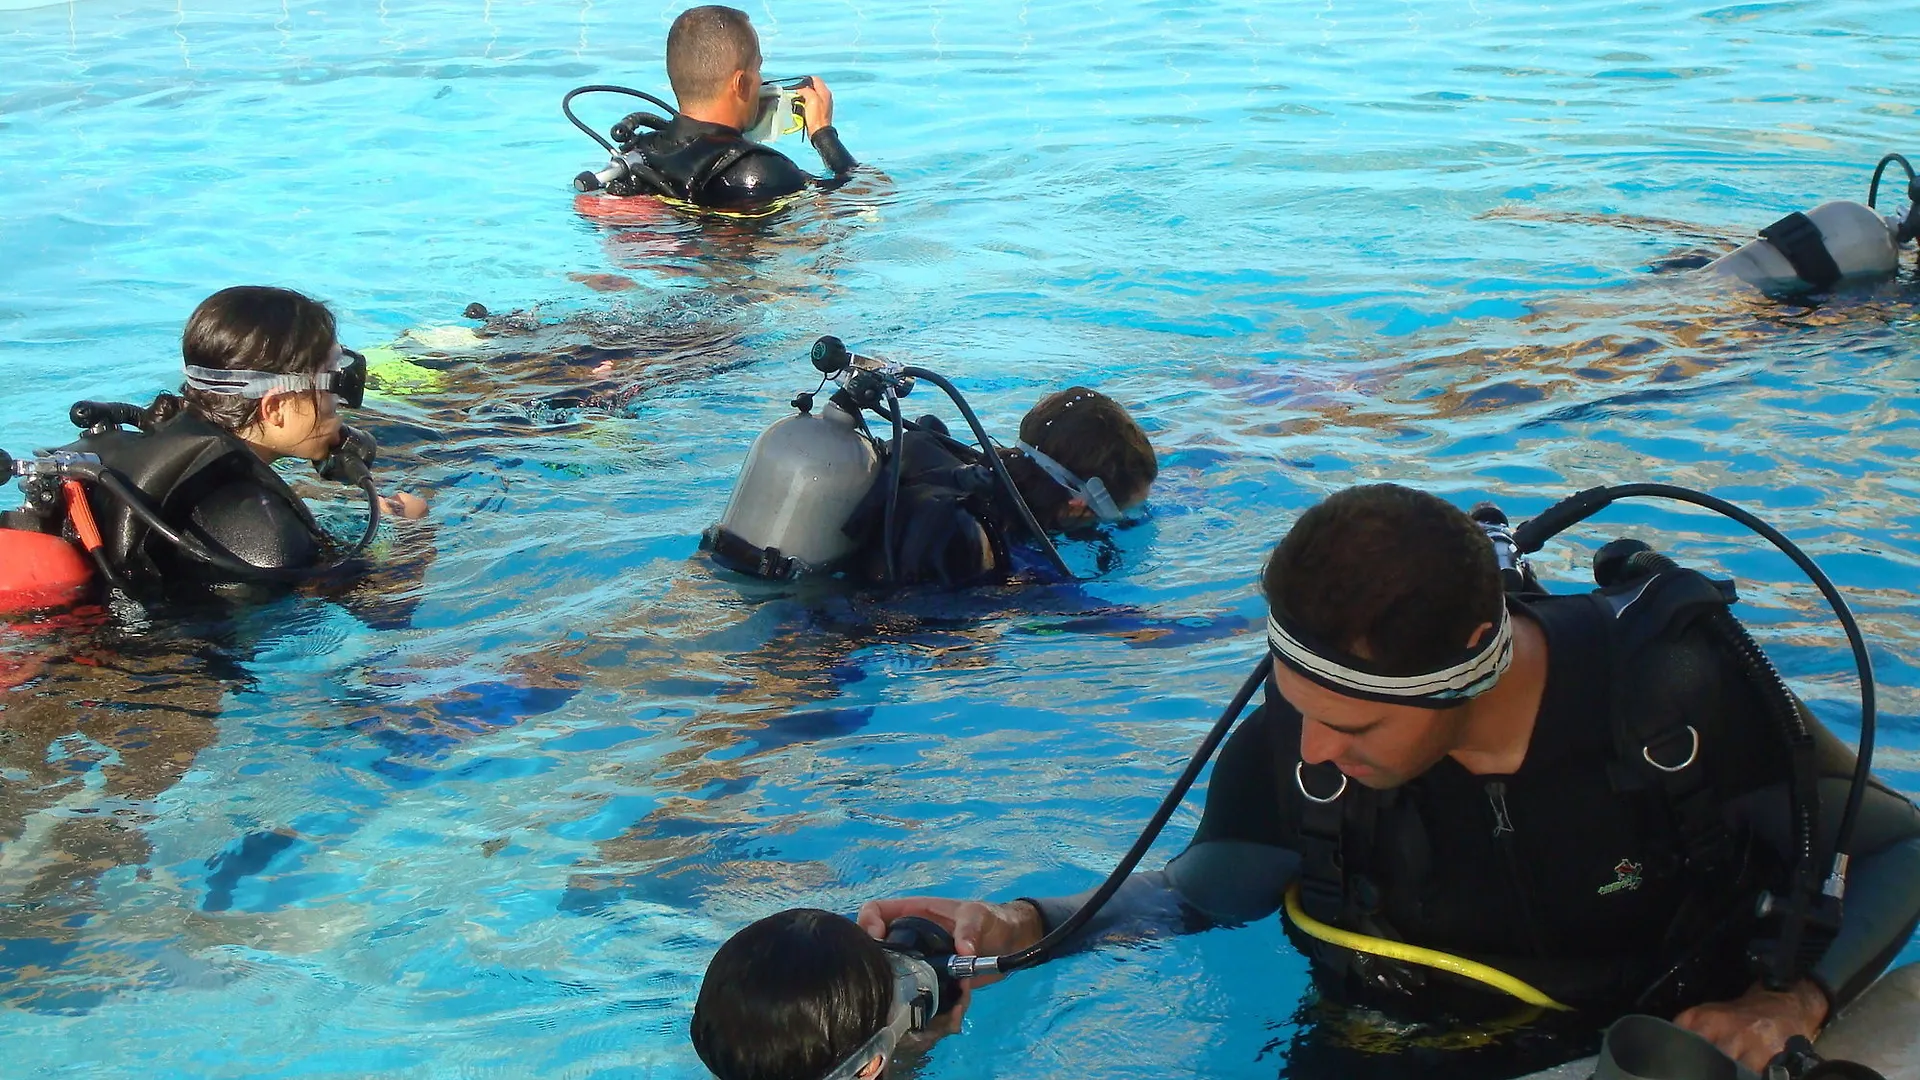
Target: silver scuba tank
{"x":802,"y":480}
{"x":1835,"y":240}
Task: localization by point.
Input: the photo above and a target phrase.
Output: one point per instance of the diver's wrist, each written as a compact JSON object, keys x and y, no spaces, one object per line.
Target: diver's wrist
{"x":1030,"y":922}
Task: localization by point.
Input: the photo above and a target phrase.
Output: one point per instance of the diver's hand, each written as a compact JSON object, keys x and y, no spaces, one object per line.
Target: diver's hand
{"x":978,"y":929}
{"x":1754,"y":1027}
{"x":817,"y":101}
{"x":402,"y":505}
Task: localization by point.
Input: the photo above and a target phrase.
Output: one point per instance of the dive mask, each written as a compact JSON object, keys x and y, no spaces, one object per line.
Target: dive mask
{"x":345,"y":376}
{"x":781,"y":110}
{"x":1092,"y":491}
{"x":916,"y":1000}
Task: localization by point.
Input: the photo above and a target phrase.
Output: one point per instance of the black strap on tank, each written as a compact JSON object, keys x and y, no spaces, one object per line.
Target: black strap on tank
{"x":1798,"y":240}
{"x":733,"y":551}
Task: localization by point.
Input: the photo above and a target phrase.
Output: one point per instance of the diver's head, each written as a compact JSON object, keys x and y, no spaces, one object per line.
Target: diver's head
{"x":713,"y":62}
{"x":264,"y":364}
{"x":1386,"y":616}
{"x":1081,"y":459}
{"x":795,"y":996}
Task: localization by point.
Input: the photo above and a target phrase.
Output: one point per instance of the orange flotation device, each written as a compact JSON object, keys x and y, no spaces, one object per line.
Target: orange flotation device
{"x":38,"y":571}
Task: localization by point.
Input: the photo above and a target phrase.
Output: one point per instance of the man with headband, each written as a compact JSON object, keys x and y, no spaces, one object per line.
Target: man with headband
{"x":1435,"y":764}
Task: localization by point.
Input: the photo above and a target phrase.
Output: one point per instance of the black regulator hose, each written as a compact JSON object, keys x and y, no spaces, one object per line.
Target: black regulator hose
{"x":893,"y":483}
{"x":999,"y":467}
{"x":1040,"y":951}
{"x":1533,"y":534}
{"x":566,"y":106}
{"x":1873,"y":189}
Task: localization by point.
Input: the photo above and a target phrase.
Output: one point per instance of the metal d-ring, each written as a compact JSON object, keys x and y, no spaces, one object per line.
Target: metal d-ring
{"x":1299,"y":781}
{"x":1693,"y":753}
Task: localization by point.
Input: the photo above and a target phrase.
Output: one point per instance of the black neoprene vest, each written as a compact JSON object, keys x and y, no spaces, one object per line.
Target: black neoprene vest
{"x":946,"y":500}
{"x":206,"y":483}
{"x":1586,"y":873}
{"x":708,"y":165}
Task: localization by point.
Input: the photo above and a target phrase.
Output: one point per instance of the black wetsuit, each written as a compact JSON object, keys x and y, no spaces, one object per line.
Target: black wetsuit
{"x":207,"y":484}
{"x":715,"y":166}
{"x":1546,"y":873}
{"x":953,"y":524}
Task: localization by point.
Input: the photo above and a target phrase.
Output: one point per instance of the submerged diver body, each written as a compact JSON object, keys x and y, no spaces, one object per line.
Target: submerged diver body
{"x":1081,"y":460}
{"x":1440,"y":764}
{"x":820,"y":494}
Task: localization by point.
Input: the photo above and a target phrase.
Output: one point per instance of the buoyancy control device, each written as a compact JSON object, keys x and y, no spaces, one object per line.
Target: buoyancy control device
{"x":53,"y":548}
{"x":1830,"y":243}
{"x":807,"y":473}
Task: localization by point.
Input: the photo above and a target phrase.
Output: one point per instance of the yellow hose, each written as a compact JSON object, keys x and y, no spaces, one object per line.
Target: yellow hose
{"x":1414,"y":954}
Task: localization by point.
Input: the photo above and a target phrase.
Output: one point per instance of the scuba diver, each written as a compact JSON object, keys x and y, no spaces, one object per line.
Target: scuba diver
{"x":859,"y":998}
{"x":711,"y":152}
{"x":188,"y":496}
{"x":1833,"y":242}
{"x":1600,"y":804}
{"x":820,"y":494}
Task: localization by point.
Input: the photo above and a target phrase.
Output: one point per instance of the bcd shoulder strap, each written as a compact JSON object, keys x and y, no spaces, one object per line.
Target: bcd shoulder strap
{"x":1665,"y":690}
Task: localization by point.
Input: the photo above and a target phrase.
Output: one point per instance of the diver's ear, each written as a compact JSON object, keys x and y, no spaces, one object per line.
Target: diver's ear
{"x":273,"y":410}
{"x":873,"y":1068}
{"x":744,"y":88}
{"x":1479,"y":635}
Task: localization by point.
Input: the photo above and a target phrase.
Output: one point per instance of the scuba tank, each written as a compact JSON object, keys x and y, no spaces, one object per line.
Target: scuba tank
{"x":802,"y":479}
{"x":1833,"y":241}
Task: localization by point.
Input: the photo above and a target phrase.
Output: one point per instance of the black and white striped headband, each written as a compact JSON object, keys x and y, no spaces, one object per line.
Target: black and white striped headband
{"x":1454,"y":684}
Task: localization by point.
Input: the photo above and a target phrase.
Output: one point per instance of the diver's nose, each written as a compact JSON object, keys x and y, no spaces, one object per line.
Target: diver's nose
{"x":1319,"y":743}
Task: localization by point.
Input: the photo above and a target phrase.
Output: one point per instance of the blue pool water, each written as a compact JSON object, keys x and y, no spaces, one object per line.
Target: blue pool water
{"x":489,"y":816}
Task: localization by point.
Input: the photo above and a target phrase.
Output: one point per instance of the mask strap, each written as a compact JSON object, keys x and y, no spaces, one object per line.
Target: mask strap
{"x":1093,"y":492}
{"x":253,"y":385}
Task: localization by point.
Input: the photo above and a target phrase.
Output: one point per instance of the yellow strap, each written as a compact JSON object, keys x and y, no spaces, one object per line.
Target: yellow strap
{"x":1414,"y":954}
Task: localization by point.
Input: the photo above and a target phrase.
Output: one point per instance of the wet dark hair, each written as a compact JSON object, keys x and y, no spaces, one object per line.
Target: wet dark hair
{"x":790,"y":997}
{"x":705,"y":46}
{"x":1402,"y":574}
{"x":1092,"y":435}
{"x":248,"y":328}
